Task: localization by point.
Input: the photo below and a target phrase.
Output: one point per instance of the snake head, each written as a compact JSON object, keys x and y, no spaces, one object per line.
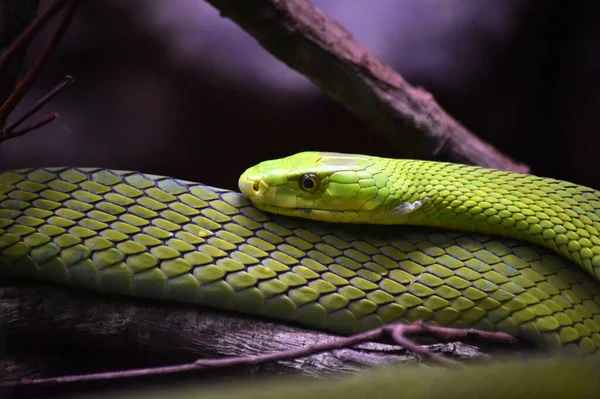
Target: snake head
{"x":320,"y":185}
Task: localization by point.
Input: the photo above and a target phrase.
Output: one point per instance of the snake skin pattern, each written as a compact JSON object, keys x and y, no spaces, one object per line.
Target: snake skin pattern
{"x":154,"y":236}
{"x":560,"y":215}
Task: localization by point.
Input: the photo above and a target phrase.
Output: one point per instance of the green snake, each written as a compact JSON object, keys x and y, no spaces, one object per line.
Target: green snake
{"x":392,"y":240}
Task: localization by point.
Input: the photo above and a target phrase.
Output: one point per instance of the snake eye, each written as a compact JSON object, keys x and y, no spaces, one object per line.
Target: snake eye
{"x":309,"y":182}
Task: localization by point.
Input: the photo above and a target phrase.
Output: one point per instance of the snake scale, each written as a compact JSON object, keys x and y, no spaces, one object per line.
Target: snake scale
{"x":454,"y":245}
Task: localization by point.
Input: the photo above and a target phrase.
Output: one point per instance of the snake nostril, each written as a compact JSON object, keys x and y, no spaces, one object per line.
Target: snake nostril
{"x":255,"y":186}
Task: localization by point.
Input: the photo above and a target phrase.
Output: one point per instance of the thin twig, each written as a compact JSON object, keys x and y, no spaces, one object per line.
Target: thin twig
{"x":25,"y":83}
{"x":36,"y":125}
{"x":399,"y":335}
{"x":31,"y":30}
{"x":6,"y":133}
{"x":463,"y":334}
{"x":398,"y":332}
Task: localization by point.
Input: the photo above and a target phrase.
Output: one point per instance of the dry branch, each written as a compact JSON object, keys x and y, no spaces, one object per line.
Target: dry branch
{"x":45,"y":314}
{"x":32,"y":73}
{"x":15,"y":16}
{"x":308,"y":41}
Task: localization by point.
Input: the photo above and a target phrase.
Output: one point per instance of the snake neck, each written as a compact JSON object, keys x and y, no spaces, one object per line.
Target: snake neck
{"x":558,"y":215}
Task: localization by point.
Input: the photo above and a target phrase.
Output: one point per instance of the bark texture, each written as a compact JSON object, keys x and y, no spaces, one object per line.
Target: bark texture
{"x":141,"y":333}
{"x":300,"y":35}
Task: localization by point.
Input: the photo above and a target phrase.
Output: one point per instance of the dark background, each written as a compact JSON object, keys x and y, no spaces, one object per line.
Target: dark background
{"x":170,"y":87}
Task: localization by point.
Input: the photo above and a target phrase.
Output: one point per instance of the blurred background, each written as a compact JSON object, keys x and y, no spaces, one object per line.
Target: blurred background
{"x":171,"y":87}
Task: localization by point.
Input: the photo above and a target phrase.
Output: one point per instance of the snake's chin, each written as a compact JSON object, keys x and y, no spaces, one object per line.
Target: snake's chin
{"x":390,"y":216}
{"x":320,"y":215}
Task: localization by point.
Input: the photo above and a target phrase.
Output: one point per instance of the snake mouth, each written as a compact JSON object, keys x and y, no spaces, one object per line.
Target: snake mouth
{"x":394,"y":215}
{"x":259,"y":193}
{"x":321,"y":215}
{"x":256,"y":190}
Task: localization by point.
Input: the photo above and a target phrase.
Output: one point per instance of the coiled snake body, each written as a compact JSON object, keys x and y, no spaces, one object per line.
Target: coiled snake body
{"x":455,"y":245}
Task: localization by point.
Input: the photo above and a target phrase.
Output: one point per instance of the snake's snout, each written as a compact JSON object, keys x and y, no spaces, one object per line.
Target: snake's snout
{"x":249,"y":184}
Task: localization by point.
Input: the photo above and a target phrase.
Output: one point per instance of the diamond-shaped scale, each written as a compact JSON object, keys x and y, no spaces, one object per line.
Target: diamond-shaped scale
{"x":148,"y":235}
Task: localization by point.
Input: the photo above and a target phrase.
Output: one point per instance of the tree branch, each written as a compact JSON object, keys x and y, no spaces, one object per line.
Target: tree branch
{"x":15,"y":16}
{"x":308,"y":41}
{"x":25,"y":83}
{"x":43,"y":314}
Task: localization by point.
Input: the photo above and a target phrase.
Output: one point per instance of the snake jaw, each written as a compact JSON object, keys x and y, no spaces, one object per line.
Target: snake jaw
{"x":394,"y":215}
